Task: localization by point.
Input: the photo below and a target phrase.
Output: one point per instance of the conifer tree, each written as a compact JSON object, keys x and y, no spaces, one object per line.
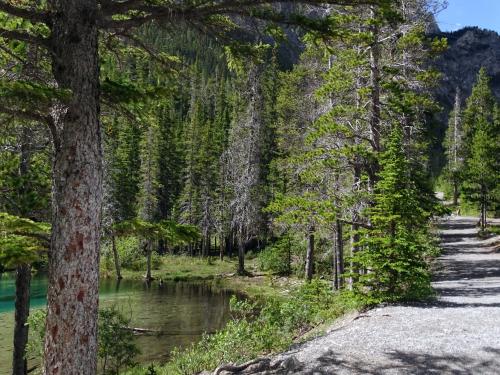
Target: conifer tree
{"x":454,"y":148}
{"x":482,"y":147}
{"x":244,"y":155}
{"x":124,"y":139}
{"x":148,"y":201}
{"x":395,"y":248}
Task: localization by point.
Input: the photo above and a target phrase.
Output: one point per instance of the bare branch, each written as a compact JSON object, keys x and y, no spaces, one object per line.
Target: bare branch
{"x":22,"y":36}
{"x":47,"y":120}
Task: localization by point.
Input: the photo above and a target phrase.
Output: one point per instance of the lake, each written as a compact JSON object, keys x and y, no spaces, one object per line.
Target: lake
{"x":182,"y":311}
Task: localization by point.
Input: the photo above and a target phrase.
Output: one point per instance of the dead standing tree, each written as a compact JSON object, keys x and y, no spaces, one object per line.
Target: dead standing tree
{"x":244,"y":156}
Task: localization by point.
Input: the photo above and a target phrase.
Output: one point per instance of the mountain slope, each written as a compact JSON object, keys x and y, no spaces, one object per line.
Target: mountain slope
{"x":469,"y":49}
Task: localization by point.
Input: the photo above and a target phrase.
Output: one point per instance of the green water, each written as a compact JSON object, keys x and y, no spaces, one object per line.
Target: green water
{"x":182,"y":311}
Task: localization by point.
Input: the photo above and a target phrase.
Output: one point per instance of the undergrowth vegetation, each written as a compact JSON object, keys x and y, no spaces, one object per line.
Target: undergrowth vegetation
{"x":260,"y":329}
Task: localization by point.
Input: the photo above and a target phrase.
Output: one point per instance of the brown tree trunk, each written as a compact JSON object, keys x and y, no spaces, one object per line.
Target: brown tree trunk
{"x":149,"y":253}
{"x":483,"y":213}
{"x":375,"y":88}
{"x":230,"y":244}
{"x":334,"y":268}
{"x":310,"y":255}
{"x":339,"y":254}
{"x":374,"y":102}
{"x":205,"y":245}
{"x":23,"y":273}
{"x":116,"y":258}
{"x":455,"y":193}
{"x":222,"y":244}
{"x":71,"y":327}
{"x":354,"y":250}
{"x":22,"y":310}
{"x":241,"y":255}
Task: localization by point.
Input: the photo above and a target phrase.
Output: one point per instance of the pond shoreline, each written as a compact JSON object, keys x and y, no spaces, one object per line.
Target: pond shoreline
{"x":183,"y":311}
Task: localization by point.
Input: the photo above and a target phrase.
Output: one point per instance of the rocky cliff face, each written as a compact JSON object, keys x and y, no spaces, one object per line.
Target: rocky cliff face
{"x":469,"y":49}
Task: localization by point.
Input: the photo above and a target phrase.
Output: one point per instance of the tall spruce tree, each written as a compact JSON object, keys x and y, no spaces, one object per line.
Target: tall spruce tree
{"x":481,"y":144}
{"x":395,"y":248}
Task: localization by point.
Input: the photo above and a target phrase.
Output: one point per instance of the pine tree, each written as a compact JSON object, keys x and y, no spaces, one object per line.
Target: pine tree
{"x":244,"y":157}
{"x":394,"y":250}
{"x":481,"y":164}
{"x":148,"y":201}
{"x":454,"y":148}
{"x":124,"y":138}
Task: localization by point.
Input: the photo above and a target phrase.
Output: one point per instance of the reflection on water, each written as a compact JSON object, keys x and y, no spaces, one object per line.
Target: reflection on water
{"x":181,"y":311}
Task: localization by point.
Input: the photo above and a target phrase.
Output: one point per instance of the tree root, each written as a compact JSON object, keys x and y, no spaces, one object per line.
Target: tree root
{"x":260,"y":365}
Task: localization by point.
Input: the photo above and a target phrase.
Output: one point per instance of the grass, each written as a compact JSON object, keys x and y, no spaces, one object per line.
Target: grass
{"x":182,"y":268}
{"x":259,"y":286}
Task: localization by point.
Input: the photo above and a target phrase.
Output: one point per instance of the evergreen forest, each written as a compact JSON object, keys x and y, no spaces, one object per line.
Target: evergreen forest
{"x":282,"y":150}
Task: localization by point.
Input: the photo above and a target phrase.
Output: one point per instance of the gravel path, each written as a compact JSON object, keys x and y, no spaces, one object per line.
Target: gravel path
{"x":459,"y":334}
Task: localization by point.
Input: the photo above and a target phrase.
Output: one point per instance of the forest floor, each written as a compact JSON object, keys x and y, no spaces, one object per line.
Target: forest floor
{"x":458,"y":333}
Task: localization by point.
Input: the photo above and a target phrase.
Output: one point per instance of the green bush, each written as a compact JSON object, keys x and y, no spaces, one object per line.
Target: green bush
{"x":131,"y":255}
{"x":117,"y":347}
{"x":278,"y":257}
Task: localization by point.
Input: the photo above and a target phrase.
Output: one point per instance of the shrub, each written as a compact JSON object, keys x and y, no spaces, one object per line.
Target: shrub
{"x":117,"y":347}
{"x":278,"y":257}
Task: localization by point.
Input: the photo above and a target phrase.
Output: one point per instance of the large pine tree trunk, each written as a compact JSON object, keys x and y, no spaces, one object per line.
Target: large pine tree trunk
{"x":23,"y":281}
{"x":71,"y":327}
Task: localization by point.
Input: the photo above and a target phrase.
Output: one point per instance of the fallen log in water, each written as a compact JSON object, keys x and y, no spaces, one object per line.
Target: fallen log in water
{"x":149,"y":331}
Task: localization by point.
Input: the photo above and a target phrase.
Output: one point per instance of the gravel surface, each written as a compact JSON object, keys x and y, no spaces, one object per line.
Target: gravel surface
{"x":459,"y":334}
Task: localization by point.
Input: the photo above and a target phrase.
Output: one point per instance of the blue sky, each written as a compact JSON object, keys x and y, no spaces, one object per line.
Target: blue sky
{"x":461,"y":13}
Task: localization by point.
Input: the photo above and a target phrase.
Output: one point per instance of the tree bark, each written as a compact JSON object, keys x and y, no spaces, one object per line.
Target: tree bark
{"x":71,"y":326}
{"x":230,"y":244}
{"x":455,"y":193}
{"x":354,"y":240}
{"x":23,"y":274}
{"x":339,"y":255}
{"x":222,"y":244}
{"x":375,"y":87}
{"x":149,"y":252}
{"x":483,"y":211}
{"x":241,"y":255}
{"x":310,"y":255}
{"x":205,"y":245}
{"x":116,"y":258}
{"x":334,"y":268}
{"x":23,"y":281}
